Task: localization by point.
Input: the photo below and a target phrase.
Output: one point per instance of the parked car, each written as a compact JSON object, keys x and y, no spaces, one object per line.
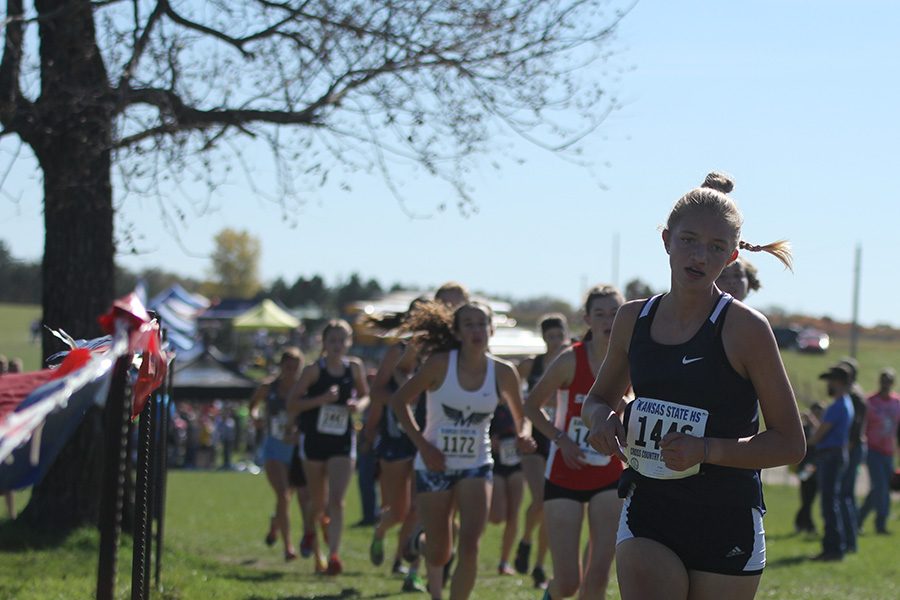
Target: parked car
{"x":813,"y":341}
{"x":786,"y":337}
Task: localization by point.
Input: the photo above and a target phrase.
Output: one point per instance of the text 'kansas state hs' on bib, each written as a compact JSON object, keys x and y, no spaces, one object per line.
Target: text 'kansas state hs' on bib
{"x":650,"y":421}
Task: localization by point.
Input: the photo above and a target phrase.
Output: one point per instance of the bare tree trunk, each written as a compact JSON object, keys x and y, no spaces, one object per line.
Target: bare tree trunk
{"x":73,"y":148}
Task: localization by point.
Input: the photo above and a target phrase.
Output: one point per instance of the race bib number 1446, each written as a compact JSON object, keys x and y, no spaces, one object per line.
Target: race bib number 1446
{"x":650,"y":421}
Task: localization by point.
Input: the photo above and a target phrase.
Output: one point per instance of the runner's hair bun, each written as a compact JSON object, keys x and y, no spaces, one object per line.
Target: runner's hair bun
{"x":719,"y":182}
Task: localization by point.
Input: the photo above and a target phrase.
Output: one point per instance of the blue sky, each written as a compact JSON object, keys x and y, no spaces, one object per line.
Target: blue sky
{"x":798,"y":100}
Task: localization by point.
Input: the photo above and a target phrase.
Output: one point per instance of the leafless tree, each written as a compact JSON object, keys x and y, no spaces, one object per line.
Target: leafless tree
{"x":168,"y":91}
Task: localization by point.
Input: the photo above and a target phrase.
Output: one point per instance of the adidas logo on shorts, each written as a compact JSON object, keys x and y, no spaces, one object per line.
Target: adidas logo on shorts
{"x":734,"y":552}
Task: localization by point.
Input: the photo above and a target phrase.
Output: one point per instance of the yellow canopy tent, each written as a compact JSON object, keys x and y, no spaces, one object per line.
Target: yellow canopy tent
{"x":266,"y":315}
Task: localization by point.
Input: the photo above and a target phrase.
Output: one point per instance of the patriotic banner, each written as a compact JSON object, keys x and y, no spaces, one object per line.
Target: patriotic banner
{"x":33,"y":431}
{"x":32,"y":436}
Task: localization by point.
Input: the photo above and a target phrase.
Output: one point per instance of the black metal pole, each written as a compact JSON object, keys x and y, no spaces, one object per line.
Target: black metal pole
{"x":118,"y":409}
{"x":152,"y":483}
{"x":141,"y":505}
{"x":162,"y":470}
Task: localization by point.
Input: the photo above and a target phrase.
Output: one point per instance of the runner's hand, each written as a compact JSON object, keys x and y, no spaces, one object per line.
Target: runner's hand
{"x":571,"y":453}
{"x":526,"y":444}
{"x":432,"y":457}
{"x":607,"y":433}
{"x":331,"y":396}
{"x":681,"y":451}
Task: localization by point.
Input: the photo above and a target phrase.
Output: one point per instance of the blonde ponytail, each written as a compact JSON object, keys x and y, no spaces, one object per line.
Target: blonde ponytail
{"x":780,"y":250}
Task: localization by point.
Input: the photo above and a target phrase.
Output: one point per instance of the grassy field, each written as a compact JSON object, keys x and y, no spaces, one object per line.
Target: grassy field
{"x":804,"y":369}
{"x":214,"y":549}
{"x":15,"y":337}
{"x":216,"y":522}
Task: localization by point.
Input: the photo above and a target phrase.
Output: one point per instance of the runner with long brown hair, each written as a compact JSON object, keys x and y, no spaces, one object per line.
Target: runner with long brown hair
{"x":464,"y":384}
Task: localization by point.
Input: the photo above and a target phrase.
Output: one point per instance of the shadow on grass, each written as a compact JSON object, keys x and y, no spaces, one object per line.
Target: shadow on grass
{"x":255,"y":577}
{"x":787,"y":561}
{"x":17,"y":536}
{"x":793,"y":535}
{"x":344,"y":594}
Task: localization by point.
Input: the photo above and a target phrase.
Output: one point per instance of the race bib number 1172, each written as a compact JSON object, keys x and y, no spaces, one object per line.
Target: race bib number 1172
{"x":650,"y":421}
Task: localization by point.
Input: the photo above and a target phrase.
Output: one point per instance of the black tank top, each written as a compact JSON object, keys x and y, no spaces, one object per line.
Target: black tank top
{"x":344,"y":381}
{"x":697,"y":374}
{"x":502,"y":424}
{"x":389,"y":425}
{"x":537,"y":369}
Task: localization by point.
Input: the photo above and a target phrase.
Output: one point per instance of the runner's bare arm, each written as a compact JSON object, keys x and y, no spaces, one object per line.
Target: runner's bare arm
{"x":751,"y":348}
{"x":559,"y":374}
{"x":605,"y":399}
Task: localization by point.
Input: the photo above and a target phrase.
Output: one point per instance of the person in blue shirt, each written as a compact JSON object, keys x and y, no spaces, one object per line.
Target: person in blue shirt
{"x":830,"y":439}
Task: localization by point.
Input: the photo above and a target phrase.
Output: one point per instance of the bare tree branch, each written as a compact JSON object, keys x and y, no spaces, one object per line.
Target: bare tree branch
{"x":140,"y":44}
{"x":13,"y":106}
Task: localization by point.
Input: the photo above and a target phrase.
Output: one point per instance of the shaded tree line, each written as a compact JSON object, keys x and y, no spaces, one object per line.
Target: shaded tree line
{"x":20,"y":280}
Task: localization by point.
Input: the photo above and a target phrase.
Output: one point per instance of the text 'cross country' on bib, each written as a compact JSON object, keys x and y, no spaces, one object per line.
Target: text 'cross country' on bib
{"x":650,"y":421}
{"x":333,"y":419}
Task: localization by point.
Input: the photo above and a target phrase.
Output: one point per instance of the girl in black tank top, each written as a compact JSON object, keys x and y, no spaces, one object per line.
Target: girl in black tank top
{"x":701,"y":366}
{"x":554,"y":330}
{"x":693,"y":374}
{"x":324,"y":403}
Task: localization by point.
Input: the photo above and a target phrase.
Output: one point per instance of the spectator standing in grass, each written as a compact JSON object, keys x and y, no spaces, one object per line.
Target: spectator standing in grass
{"x":882,"y":423}
{"x":806,"y":473}
{"x":831,"y":438}
{"x":856,"y":453}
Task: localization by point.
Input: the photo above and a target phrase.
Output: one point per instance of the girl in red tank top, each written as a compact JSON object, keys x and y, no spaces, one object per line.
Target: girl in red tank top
{"x":578,"y":479}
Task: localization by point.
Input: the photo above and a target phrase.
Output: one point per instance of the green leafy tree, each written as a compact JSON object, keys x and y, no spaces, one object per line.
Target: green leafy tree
{"x":235,"y":265}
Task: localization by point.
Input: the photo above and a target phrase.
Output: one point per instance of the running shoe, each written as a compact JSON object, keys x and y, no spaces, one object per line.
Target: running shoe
{"x":539,"y":577}
{"x":289,"y":555}
{"x":414,"y":583}
{"x":522,"y":554}
{"x":398,"y":568}
{"x":321,"y":567}
{"x":306,"y":544}
{"x":376,"y":551}
{"x":448,"y":567}
{"x":504,"y":569}
{"x":272,"y":536}
{"x":411,"y":549}
{"x":334,"y":566}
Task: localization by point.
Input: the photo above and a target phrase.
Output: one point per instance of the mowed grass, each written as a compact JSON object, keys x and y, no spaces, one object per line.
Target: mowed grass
{"x":15,"y":334}
{"x":216,"y":522}
{"x":804,"y":369}
{"x":214,"y":549}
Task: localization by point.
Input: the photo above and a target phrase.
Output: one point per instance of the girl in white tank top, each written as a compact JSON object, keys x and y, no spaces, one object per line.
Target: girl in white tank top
{"x":458,"y":420}
{"x":453,"y":464}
